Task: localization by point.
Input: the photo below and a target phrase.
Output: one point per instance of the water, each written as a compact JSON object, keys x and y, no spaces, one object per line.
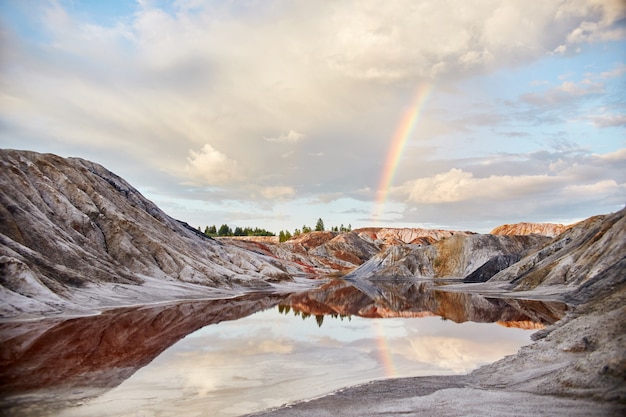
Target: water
{"x":231,"y":357}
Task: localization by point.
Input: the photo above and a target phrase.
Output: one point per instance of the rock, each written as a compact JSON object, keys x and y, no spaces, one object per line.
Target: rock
{"x":574,"y":257}
{"x":261,"y":239}
{"x":580,"y":356}
{"x":525,"y":228}
{"x":395,"y":236}
{"x":492,"y":267}
{"x":456,"y":256}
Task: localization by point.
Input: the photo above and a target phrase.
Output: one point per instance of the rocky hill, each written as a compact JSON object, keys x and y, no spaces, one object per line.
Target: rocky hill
{"x":525,"y":228}
{"x":578,"y":255}
{"x":73,"y":235}
{"x":455,"y":257}
{"x":395,"y":236}
{"x":337,"y":253}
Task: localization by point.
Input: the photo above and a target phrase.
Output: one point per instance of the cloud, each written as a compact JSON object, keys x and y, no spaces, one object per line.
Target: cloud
{"x":568,"y":90}
{"x":457,"y":186}
{"x":599,"y":188}
{"x":211,"y":167}
{"x":290,"y":137}
{"x":543,"y":186}
{"x":616,"y":157}
{"x":277,"y":192}
{"x":608,"y":120}
{"x":600,"y":29}
{"x":275,"y":83}
{"x":616,"y":72}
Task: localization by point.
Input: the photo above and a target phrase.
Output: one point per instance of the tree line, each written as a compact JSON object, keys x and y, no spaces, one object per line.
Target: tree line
{"x":226,"y":230}
{"x":283,"y":236}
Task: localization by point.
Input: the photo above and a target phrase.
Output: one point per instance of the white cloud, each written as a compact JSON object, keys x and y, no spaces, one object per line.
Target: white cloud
{"x":617,"y":156}
{"x":211,"y":167}
{"x":600,"y":188}
{"x":277,"y":192}
{"x":290,"y":137}
{"x":618,"y":71}
{"x":608,"y":120}
{"x":565,"y":92}
{"x":456,"y":186}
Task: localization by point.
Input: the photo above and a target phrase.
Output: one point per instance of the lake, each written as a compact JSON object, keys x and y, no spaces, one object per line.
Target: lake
{"x":238,"y":356}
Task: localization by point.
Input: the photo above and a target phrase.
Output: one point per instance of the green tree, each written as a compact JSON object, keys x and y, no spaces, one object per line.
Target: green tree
{"x":239,"y":231}
{"x":287,"y":235}
{"x":306,"y":229}
{"x":225,"y":230}
{"x":281,"y":236}
{"x":319,"y":226}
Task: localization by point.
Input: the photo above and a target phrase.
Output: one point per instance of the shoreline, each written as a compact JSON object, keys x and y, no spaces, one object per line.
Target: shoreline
{"x":439,"y":396}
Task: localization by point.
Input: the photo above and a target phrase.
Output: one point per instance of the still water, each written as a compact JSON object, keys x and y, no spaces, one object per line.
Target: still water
{"x":232,"y":357}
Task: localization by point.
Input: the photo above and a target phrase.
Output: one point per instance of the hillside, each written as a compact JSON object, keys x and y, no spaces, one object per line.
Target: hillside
{"x":73,"y":235}
{"x":578,"y":255}
{"x":454,"y":257}
{"x":526,"y":228}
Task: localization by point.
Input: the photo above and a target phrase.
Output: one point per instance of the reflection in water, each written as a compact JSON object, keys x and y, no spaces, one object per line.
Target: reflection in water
{"x":313,"y":343}
{"x":99,"y":352}
{"x":384,"y":298}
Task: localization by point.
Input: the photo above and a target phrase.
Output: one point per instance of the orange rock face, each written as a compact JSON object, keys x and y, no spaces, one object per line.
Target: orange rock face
{"x":525,"y":228}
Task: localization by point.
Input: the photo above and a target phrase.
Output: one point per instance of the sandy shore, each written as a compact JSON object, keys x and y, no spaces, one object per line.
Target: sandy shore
{"x":441,"y":396}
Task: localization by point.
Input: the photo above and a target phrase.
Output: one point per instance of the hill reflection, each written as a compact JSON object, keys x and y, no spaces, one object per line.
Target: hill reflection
{"x":102,"y":351}
{"x":385,"y":298}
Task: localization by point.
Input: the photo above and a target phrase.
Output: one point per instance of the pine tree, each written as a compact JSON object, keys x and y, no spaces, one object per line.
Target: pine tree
{"x":319,"y":226}
{"x":225,"y":230}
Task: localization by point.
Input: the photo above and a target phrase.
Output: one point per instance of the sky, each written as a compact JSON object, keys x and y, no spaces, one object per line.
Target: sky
{"x":274,"y":113}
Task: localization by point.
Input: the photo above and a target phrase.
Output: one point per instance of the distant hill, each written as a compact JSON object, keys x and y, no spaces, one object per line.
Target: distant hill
{"x":525,"y":228}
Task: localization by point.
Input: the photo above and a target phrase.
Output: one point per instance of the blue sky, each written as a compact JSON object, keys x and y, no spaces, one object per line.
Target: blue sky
{"x":274,"y":113}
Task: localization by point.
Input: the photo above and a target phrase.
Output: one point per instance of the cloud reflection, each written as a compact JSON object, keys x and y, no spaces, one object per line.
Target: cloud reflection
{"x":283,"y":358}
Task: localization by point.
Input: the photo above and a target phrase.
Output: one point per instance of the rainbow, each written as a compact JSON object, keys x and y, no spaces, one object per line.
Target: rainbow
{"x":399,"y":139}
{"x":384,"y":353}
